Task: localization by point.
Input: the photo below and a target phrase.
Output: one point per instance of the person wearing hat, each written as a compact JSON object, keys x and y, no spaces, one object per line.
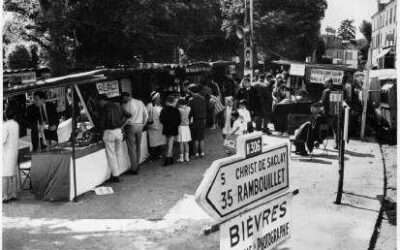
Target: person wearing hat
{"x":134,"y":128}
{"x":154,"y":130}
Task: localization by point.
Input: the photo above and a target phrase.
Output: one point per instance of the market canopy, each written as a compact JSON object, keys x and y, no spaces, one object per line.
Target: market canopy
{"x":85,"y":77}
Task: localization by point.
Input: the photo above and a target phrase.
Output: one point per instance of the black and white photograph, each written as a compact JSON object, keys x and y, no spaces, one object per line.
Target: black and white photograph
{"x":199,"y":124}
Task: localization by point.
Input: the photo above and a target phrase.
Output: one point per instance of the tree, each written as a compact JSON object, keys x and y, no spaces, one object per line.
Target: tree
{"x":86,"y":33}
{"x":320,"y":50}
{"x":34,"y":55}
{"x":347,"y":30}
{"x":19,"y":58}
{"x":288,"y":29}
{"x":366,"y":30}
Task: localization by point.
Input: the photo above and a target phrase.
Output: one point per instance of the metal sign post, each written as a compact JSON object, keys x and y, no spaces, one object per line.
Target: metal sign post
{"x":248,"y":40}
{"x":341,"y":143}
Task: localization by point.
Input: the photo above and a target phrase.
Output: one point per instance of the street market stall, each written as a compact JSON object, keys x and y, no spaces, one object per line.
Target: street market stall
{"x":65,"y":170}
{"x":309,"y":80}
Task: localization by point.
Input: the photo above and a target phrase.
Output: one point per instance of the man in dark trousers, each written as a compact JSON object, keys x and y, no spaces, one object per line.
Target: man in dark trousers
{"x":43,"y":120}
{"x":262,"y":104}
{"x":198,"y":112}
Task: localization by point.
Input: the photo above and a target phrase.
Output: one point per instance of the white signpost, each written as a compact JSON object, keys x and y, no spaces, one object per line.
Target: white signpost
{"x":233,"y":183}
{"x":248,"y":194}
{"x":263,"y":227}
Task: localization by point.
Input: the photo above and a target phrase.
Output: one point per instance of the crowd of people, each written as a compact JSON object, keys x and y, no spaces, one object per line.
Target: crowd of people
{"x":234,"y":107}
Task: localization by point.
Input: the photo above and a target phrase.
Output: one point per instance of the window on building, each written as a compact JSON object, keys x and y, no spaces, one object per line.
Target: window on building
{"x":349,"y":55}
{"x":391,"y":15}
{"x":387,"y":17}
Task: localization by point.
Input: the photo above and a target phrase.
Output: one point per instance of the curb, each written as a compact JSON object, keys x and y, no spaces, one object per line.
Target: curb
{"x":375,"y":234}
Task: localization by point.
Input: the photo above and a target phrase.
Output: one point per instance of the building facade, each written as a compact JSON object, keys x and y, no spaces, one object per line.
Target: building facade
{"x":383,"y":39}
{"x":339,"y":51}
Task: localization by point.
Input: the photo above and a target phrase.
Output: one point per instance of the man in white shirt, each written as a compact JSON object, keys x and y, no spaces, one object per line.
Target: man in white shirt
{"x":134,"y":128}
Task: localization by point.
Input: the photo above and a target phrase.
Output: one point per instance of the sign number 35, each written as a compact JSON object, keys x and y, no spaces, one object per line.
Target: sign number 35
{"x":226,"y":198}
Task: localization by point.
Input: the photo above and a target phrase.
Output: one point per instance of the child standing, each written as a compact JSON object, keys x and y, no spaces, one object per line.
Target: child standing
{"x":184,"y":135}
{"x":170,"y":117}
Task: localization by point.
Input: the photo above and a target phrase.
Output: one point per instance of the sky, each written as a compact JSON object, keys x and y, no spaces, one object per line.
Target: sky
{"x":339,"y":10}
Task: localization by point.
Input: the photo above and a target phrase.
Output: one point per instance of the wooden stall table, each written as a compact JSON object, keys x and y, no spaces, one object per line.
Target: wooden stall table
{"x":52,"y":171}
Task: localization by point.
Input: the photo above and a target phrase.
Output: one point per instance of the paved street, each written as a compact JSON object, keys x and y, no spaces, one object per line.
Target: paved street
{"x":156,"y":209}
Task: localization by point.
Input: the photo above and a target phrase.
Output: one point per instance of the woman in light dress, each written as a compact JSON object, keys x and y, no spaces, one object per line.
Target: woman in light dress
{"x":10,"y":156}
{"x":156,"y":138}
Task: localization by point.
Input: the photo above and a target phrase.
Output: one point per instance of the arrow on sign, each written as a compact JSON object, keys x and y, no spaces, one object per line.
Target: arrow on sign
{"x":232,"y":184}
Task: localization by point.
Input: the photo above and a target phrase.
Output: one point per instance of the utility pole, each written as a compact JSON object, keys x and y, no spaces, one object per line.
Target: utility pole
{"x":341,"y":145}
{"x":248,"y":39}
{"x":366,"y":94}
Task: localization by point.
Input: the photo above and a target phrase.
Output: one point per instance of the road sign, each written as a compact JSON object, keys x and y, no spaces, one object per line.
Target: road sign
{"x":232,"y":184}
{"x":263,"y":227}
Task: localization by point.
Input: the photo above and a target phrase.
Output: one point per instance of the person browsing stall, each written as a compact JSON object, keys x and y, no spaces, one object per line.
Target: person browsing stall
{"x":198,"y":107}
{"x":134,"y":128}
{"x":112,"y":122}
{"x":43,"y":120}
{"x":184,"y":135}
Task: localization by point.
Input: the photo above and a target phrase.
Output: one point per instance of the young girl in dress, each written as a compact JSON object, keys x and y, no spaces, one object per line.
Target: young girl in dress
{"x":170,"y":118}
{"x":184,"y":136}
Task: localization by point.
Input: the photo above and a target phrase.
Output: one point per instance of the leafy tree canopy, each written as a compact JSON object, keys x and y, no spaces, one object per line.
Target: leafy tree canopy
{"x":106,"y":32}
{"x":366,"y":30}
{"x":347,"y":30}
{"x":19,"y":58}
{"x":288,"y":28}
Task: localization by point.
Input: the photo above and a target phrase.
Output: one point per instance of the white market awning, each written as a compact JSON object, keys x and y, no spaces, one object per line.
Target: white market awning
{"x":384,"y":52}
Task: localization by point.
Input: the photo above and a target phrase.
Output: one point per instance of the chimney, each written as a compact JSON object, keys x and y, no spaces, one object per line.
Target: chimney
{"x":382,"y":4}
